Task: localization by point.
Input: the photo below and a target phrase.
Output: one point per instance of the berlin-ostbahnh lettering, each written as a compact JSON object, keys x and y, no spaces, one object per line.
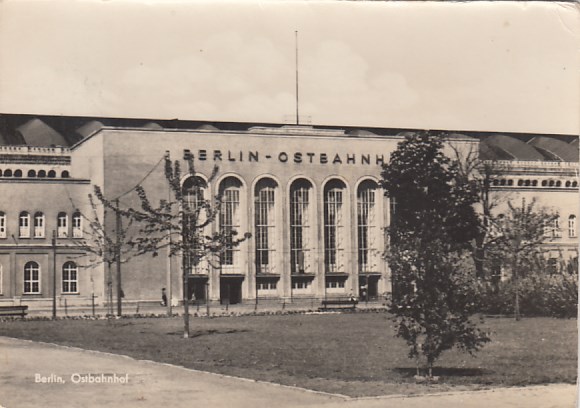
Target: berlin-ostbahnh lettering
{"x":283,"y":157}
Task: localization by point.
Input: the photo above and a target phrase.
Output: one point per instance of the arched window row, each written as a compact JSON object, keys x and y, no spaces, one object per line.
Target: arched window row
{"x":18,"y":173}
{"x":555,"y":229}
{"x":303,"y":222}
{"x":550,"y":183}
{"x":34,"y":225}
{"x":32,"y":278}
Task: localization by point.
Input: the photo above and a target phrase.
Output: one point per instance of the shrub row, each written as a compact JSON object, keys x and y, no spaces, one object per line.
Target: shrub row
{"x":539,"y":295}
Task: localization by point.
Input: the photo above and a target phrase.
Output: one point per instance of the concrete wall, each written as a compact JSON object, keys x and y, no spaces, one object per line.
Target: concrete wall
{"x":132,"y":156}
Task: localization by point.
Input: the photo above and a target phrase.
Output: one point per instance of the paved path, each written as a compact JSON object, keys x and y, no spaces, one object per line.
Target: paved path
{"x":160,"y":385}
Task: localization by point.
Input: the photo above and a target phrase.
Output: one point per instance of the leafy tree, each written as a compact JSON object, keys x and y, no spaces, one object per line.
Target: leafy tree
{"x":431,"y":234}
{"x":180,"y":224}
{"x":516,"y":239}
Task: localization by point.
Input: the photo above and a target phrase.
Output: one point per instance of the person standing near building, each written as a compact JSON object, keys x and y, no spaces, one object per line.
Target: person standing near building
{"x":163,"y":297}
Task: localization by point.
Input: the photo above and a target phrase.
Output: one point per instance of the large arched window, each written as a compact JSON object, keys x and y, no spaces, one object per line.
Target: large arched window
{"x":572,"y":226}
{"x":62,"y":225}
{"x":301,"y":226}
{"x":70,"y":278}
{"x":368,"y":233}
{"x":334,"y":226}
{"x":31,"y":277}
{"x":3,"y":228}
{"x":24,"y":225}
{"x":77,"y":225}
{"x":39,"y":225}
{"x":193,"y":200}
{"x":265,"y":225}
{"x":230,"y":189}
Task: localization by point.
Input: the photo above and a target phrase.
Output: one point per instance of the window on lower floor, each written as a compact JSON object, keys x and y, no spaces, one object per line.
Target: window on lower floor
{"x":552,"y":266}
{"x":70,"y":277}
{"x":301,"y":283}
{"x":266,"y":285}
{"x":335,"y":282}
{"x":31,"y":278}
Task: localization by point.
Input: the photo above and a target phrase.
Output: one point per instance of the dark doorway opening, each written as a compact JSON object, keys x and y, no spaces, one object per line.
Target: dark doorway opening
{"x":230,"y":290}
{"x":197,"y":289}
{"x":368,"y":287}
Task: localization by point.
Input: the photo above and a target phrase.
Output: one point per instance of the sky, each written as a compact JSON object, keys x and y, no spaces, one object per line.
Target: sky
{"x":506,"y":67}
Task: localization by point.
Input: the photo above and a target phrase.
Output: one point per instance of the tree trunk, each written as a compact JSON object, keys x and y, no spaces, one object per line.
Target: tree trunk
{"x":185,"y":304}
{"x":517,"y":289}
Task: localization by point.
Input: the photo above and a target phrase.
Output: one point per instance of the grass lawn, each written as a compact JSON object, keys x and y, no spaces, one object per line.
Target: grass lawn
{"x":352,"y":354}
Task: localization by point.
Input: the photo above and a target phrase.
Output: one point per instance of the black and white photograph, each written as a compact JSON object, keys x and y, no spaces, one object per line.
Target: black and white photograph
{"x":289,"y":204}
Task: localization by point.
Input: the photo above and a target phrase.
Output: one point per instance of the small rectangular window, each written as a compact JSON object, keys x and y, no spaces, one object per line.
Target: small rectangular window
{"x":62,"y":225}
{"x":301,"y":284}
{"x":77,"y":225}
{"x":38,"y":225}
{"x":24,"y":225}
{"x":2,"y":225}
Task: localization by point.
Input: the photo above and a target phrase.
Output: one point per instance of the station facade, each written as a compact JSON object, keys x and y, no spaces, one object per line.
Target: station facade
{"x":309,"y":197}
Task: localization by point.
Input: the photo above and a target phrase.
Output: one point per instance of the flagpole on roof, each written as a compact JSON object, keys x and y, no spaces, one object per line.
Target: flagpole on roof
{"x":296,"y":66}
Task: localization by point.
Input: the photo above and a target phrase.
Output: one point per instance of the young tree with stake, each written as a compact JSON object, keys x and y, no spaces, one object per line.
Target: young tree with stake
{"x":430,"y":242}
{"x":180,"y":224}
{"x":105,"y":246}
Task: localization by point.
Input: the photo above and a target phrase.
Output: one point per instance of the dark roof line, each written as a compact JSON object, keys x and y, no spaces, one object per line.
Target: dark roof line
{"x":68,"y":123}
{"x":69,"y":130}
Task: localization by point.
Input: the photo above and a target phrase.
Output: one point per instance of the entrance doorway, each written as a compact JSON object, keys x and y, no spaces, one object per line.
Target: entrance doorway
{"x":197,"y":288}
{"x":368,"y":287}
{"x":230,"y":290}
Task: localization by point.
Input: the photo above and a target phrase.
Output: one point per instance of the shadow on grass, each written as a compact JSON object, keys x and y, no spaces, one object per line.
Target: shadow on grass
{"x":199,"y":333}
{"x":408,"y":372}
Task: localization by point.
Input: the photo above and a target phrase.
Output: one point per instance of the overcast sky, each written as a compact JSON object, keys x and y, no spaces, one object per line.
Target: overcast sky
{"x":463,"y":66}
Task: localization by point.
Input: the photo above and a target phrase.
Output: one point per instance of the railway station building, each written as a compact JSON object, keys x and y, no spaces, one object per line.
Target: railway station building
{"x":308,"y":195}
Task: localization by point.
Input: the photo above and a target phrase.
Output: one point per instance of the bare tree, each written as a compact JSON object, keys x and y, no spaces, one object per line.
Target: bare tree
{"x":106,"y":247}
{"x":180,"y":224}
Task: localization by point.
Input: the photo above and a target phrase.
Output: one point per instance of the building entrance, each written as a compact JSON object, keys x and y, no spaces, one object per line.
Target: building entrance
{"x":368,"y":287}
{"x":197,"y":288}
{"x":230,"y":290}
